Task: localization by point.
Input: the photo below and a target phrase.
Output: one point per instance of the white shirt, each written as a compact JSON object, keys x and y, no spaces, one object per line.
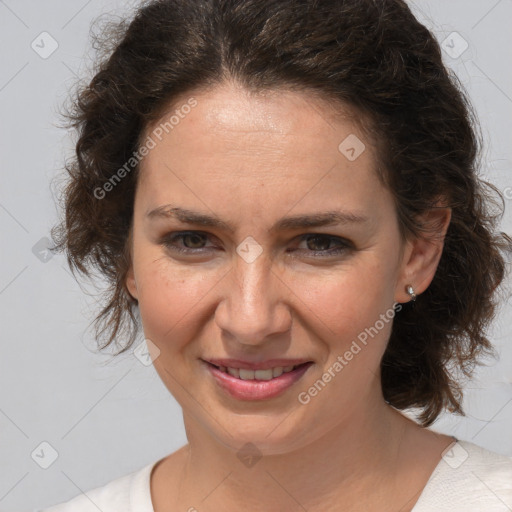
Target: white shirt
{"x":468,"y":478}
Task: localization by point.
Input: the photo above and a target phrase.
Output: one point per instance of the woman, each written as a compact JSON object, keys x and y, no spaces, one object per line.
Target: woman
{"x":286,"y":192}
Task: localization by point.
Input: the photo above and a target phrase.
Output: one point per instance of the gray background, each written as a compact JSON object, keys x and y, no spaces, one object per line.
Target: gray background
{"x":106,"y":418}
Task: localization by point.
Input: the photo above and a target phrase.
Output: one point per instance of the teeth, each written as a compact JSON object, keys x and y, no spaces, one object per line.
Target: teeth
{"x":263,"y":374}
{"x":269,"y":374}
{"x":235,"y":372}
{"x":246,"y":374}
{"x":277,"y":371}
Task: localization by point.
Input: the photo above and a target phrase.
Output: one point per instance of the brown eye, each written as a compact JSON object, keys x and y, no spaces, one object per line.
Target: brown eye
{"x":319,"y":245}
{"x":193,"y":242}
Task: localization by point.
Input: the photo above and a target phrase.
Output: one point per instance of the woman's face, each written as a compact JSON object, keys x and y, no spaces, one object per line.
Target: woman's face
{"x":265,"y":288}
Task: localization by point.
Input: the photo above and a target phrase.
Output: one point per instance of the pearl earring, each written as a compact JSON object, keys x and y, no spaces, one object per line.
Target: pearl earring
{"x":410,"y":291}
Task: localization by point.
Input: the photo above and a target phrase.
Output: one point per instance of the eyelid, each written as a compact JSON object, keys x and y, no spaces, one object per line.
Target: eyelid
{"x":344,"y":245}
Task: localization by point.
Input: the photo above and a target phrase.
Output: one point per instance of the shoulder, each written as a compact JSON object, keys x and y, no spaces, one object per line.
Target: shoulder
{"x":469,"y":478}
{"x":127,"y":493}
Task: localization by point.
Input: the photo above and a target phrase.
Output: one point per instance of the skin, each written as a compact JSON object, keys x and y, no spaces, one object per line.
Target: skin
{"x":251,"y":160}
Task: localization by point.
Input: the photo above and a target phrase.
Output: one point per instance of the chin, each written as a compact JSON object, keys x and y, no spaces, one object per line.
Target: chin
{"x":270,"y":436}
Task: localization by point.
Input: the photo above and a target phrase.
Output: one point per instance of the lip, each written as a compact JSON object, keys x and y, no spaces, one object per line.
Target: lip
{"x":256,"y":389}
{"x":262,"y":365}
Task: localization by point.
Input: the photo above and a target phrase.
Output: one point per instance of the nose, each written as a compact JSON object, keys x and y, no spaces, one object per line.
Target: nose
{"x":253,"y":307}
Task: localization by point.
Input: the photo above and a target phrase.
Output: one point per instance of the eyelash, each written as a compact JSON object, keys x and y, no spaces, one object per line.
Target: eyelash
{"x":168,"y":242}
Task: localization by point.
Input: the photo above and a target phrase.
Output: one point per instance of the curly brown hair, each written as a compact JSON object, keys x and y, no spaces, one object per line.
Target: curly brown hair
{"x":371,"y":54}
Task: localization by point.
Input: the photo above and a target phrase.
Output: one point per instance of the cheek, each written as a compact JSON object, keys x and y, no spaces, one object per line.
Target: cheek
{"x":353,"y":316}
{"x":346,"y":301}
{"x":169,"y":297}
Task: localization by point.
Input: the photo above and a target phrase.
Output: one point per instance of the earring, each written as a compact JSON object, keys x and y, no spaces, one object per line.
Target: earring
{"x":410,"y":291}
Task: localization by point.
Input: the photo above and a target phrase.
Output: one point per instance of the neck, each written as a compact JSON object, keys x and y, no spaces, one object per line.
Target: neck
{"x":359,"y":457}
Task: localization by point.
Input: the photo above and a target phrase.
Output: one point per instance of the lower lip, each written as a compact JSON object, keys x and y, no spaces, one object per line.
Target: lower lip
{"x":257,"y":389}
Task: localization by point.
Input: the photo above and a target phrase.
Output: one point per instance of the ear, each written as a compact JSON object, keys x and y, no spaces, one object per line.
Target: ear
{"x":130,"y":283}
{"x":421,"y":255}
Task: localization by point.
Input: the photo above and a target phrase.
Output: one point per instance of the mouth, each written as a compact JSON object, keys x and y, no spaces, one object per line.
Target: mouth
{"x":250,"y":374}
{"x":256,"y":384}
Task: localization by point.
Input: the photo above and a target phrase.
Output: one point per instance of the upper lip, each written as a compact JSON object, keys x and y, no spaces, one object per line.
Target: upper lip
{"x":262,"y":365}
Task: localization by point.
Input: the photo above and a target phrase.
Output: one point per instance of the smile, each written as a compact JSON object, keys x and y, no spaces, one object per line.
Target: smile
{"x":247,"y":384}
{"x":244,"y":374}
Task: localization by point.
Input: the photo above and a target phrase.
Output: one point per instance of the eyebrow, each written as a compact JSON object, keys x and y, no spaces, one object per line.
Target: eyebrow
{"x":314,"y":220}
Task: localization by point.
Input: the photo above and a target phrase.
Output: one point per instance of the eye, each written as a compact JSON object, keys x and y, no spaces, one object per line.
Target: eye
{"x":192,"y":239}
{"x":317,"y":244}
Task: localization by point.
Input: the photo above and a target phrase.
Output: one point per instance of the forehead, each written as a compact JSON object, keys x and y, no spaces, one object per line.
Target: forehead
{"x":274,"y":116}
{"x":257,"y":146}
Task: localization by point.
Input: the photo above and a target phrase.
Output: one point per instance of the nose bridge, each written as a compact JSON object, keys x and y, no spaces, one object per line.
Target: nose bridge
{"x":251,"y":309}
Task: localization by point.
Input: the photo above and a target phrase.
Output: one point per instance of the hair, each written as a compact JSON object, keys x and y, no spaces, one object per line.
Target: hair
{"x":373,"y":56}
